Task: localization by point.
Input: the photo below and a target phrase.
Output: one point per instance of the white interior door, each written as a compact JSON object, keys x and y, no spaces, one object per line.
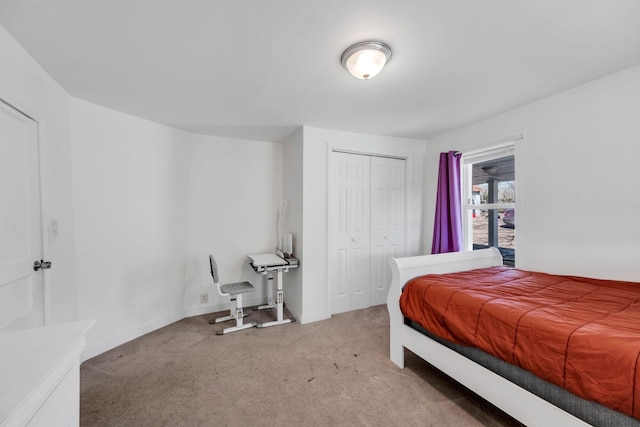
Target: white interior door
{"x":359,"y":212}
{"x":340,"y":248}
{"x":21,"y":290}
{"x":396,"y":232}
{"x":350,"y":224}
{"x":387,"y":222}
{"x":396,"y":211}
{"x":366,"y":226}
{"x":379,"y":228}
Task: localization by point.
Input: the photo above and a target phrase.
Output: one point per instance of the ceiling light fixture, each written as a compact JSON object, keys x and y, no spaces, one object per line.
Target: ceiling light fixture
{"x":490,"y":170}
{"x":366,"y":59}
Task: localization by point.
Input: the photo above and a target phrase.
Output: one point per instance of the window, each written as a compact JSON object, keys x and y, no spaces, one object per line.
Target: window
{"x":489,"y":196}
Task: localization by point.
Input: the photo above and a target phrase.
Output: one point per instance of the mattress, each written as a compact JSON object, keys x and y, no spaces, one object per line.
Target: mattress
{"x":578,"y":333}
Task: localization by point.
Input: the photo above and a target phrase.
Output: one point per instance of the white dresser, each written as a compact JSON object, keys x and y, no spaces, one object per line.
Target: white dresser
{"x":40,"y":375}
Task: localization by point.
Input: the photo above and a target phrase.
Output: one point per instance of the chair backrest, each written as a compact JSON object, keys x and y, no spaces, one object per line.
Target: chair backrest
{"x":214,"y":270}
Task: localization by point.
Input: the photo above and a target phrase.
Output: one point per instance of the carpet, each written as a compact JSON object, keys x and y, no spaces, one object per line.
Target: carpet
{"x":334,"y":372}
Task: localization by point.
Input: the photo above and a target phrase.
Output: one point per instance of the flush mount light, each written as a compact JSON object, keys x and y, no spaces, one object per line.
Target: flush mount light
{"x":490,"y":170}
{"x":366,"y":59}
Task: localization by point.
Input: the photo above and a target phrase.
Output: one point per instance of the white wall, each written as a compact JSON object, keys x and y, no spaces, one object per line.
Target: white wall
{"x":130,"y":188}
{"x":317,"y":144}
{"x":235,"y":192}
{"x":24,"y":84}
{"x":576,"y":174}
{"x":293,"y":194}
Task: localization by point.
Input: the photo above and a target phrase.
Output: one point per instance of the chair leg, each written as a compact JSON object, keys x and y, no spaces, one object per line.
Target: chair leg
{"x":236,"y":328}
{"x":230,"y":316}
{"x":239,"y":310}
{"x":239,"y":316}
{"x":221,"y":319}
{"x":233,"y":313}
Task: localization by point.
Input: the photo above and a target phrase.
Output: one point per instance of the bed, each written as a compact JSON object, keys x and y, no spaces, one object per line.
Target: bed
{"x":479,"y":366}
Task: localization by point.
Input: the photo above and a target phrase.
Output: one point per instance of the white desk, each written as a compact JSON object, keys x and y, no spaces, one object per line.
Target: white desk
{"x":266,"y":264}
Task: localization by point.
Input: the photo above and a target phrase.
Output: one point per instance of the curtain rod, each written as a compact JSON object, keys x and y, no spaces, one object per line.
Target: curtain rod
{"x":482,"y":146}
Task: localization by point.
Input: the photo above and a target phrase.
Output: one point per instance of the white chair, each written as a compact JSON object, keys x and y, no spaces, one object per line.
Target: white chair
{"x":235,"y":291}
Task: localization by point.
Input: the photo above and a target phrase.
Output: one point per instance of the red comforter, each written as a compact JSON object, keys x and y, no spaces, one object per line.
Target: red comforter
{"x":581,"y":334}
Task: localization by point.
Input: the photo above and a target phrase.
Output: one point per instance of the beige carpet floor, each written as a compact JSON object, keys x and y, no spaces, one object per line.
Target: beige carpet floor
{"x":334,"y":372}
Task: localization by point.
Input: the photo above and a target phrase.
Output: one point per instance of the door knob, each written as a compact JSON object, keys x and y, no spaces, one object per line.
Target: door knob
{"x":45,"y":265}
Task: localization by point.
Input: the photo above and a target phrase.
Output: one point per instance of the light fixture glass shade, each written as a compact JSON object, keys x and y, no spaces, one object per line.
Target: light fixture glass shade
{"x":365,"y":60}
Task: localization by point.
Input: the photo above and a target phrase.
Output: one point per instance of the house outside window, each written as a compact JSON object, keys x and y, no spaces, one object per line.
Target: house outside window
{"x":489,"y":200}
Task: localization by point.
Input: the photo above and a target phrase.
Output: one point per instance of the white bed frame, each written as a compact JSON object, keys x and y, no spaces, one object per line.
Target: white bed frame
{"x":521,"y":404}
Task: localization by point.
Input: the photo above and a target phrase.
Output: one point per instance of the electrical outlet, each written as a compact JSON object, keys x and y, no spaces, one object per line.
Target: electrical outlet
{"x":204,"y":298}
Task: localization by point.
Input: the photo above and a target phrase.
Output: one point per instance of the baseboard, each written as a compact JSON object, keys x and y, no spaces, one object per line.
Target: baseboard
{"x":134,"y":333}
{"x":111,"y":343}
{"x":293,"y":313}
{"x":211,"y":308}
{"x":208,"y":309}
{"x":205,"y":309}
{"x":314,"y":317}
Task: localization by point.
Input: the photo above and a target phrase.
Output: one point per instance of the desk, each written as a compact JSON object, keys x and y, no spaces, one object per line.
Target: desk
{"x":267,"y":264}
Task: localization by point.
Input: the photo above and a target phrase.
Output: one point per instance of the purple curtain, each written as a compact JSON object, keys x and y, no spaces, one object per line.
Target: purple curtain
{"x":447,"y":227}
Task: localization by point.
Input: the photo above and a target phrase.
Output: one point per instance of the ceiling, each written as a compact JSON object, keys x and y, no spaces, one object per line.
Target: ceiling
{"x":258,"y":69}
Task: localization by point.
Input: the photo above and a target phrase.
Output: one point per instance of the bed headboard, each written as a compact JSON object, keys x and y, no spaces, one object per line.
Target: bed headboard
{"x":405,"y":269}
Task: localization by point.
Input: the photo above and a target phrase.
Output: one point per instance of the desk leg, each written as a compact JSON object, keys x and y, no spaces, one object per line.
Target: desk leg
{"x":270,"y":303}
{"x":280,"y":297}
{"x":279,"y":306}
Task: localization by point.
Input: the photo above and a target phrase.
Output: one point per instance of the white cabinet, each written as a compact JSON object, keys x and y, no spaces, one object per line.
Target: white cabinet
{"x":40,"y":375}
{"x":366,"y":226}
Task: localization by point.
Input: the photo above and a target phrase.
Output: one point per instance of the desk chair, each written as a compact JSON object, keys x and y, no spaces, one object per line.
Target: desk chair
{"x":235,"y":291}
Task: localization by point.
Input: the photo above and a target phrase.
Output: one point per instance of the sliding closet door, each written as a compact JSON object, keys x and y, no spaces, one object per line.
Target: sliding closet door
{"x":387,"y":222}
{"x":349,"y":260}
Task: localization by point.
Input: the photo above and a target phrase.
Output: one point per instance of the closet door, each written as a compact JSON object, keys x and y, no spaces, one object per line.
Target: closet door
{"x":349,"y":262}
{"x":387,"y":222}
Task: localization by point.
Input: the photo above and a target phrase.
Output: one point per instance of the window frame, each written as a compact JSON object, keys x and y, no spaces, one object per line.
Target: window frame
{"x":470,"y":158}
